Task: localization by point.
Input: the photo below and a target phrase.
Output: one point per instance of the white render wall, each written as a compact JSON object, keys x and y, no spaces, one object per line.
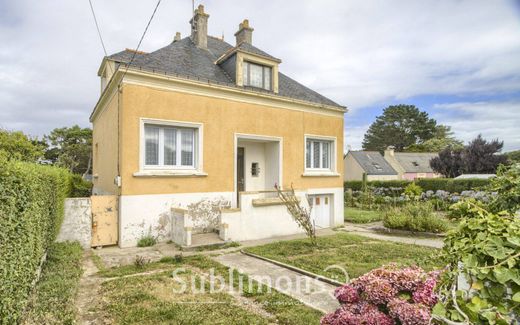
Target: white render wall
{"x":77,"y":222}
{"x":143,"y":214}
{"x":250,"y":223}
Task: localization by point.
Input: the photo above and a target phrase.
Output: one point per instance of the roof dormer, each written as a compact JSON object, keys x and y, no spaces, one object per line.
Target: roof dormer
{"x":249,"y":66}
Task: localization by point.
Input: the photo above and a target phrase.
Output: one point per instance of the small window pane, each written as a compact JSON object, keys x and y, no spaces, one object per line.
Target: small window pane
{"x":308,"y":155}
{"x":316,"y":154}
{"x":245,"y":73}
{"x":325,"y":155}
{"x":267,"y":78}
{"x":187,"y":147}
{"x":151,"y":145}
{"x":170,"y":144}
{"x":256,"y":74}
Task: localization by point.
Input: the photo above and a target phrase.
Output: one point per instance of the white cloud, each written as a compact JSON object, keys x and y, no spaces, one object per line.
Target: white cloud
{"x":359,"y":53}
{"x":494,"y":120}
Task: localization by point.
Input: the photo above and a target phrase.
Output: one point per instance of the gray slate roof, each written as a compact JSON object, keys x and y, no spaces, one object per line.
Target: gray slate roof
{"x":373,"y":163}
{"x":415,"y":162}
{"x":184,"y":59}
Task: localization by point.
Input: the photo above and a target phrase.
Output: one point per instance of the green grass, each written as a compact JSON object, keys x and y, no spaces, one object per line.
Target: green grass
{"x":356,"y":215}
{"x":151,"y":299}
{"x":356,"y":254}
{"x":52,"y":301}
{"x":147,"y":241}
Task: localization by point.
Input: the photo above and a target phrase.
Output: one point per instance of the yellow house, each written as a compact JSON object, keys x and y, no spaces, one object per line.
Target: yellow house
{"x":194,"y":136}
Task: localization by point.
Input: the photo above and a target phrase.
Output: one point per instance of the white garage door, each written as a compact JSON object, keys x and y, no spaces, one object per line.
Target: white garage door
{"x":321,"y":211}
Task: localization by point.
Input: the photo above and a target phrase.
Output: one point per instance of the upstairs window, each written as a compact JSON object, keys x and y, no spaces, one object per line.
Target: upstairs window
{"x":169,"y":147}
{"x":318,"y":154}
{"x":255,"y":75}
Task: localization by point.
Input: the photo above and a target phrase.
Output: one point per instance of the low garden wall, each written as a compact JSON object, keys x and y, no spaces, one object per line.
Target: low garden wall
{"x":77,"y":222}
{"x":31,"y":211}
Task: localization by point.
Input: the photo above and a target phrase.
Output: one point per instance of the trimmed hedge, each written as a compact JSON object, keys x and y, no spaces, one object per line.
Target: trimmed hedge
{"x":357,"y":185}
{"x":31,"y":211}
{"x":427,"y":184}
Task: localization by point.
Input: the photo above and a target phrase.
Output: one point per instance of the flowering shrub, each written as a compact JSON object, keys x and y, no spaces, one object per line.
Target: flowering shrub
{"x":388,"y":295}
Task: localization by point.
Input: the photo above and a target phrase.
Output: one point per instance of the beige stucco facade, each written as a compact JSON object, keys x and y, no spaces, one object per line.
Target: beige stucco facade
{"x":222,"y":119}
{"x":227,"y":118}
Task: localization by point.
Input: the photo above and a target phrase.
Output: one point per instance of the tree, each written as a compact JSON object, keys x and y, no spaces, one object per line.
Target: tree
{"x":482,"y":157}
{"x":71,"y":147}
{"x":443,"y":139}
{"x":400,"y":126}
{"x":17,"y":145}
{"x":478,"y":157}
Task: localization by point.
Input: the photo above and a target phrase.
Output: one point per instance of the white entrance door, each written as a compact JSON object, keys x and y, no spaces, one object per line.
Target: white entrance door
{"x":321,"y":210}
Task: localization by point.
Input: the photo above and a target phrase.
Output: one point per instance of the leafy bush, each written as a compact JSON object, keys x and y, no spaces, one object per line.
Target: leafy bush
{"x":80,"y":187}
{"x":488,"y":245}
{"x":414,"y":217}
{"x":146,"y":241}
{"x":386,"y":296}
{"x":52,"y":301}
{"x":413,"y":190}
{"x":31,"y":211}
{"x":463,"y":209}
{"x":507,"y":185}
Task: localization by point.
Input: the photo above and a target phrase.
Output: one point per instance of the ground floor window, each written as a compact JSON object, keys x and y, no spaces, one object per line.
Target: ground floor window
{"x":318,"y":154}
{"x":169,"y":146}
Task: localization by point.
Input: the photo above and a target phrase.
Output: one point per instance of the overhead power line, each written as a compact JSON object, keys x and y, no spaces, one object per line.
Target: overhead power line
{"x":141,"y":40}
{"x":97,"y":27}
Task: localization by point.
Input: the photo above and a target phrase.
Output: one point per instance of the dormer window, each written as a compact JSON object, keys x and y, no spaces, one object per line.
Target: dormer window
{"x":256,"y":75}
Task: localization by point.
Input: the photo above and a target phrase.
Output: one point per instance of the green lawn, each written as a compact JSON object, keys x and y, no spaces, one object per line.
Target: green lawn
{"x":356,"y":215}
{"x":356,"y":254}
{"x":52,"y":301}
{"x":150,"y":298}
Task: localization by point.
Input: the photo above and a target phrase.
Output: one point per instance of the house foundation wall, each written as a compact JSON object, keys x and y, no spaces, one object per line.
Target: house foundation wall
{"x":141,"y":215}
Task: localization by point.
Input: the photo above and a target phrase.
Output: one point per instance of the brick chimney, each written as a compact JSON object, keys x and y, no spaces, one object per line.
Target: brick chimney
{"x":199,"y":28}
{"x":245,"y":33}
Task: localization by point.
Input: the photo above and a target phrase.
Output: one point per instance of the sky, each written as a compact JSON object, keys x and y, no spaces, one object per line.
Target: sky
{"x":458,"y":60}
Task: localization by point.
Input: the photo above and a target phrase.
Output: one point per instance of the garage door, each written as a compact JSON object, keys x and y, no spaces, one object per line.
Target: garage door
{"x":321,"y":210}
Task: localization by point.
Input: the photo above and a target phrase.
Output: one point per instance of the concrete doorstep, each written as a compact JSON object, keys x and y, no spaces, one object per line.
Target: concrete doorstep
{"x":310,"y":291}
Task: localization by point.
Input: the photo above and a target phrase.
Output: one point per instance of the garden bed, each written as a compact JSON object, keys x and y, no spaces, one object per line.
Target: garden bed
{"x":356,"y":254}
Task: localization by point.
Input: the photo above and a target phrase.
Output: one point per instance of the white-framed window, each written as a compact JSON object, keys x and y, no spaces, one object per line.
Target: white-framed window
{"x":319,"y":154}
{"x":256,"y":75}
{"x":170,"y":145}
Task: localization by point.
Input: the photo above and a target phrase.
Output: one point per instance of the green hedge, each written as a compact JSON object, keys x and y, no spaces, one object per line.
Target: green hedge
{"x":31,"y":211}
{"x":357,"y":185}
{"x":452,"y":185}
{"x":446,"y":184}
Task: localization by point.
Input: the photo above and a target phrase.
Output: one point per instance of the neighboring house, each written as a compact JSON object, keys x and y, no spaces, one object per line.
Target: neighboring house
{"x":371,"y":163}
{"x":191,"y":136}
{"x":411,"y":165}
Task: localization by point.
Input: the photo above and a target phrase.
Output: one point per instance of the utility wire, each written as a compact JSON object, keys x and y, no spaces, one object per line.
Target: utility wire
{"x":97,"y":27}
{"x":140,"y":41}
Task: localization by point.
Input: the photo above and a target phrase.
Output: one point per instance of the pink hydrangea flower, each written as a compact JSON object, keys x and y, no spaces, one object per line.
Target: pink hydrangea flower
{"x":346,"y":294}
{"x":409,"y":314}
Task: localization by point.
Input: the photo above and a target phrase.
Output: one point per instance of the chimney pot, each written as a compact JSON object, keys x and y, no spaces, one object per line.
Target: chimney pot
{"x":177,"y":37}
{"x":199,"y":28}
{"x":245,"y":33}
